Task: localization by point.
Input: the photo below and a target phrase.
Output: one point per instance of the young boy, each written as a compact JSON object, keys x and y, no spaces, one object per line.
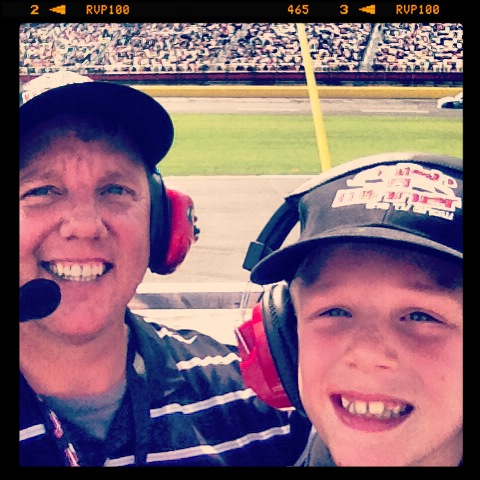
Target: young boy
{"x":374,"y":290}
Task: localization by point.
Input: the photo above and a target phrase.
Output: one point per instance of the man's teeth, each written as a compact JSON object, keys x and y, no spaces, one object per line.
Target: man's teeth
{"x":375,"y":409}
{"x":77,"y":272}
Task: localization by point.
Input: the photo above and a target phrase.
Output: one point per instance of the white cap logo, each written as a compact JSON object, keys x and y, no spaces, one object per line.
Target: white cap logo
{"x":405,"y":186}
{"x":48,"y":81}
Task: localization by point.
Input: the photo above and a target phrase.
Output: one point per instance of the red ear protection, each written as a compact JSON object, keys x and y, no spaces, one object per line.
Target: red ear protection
{"x":183,"y":231}
{"x":257,"y":365}
{"x":268,"y":348}
{"x":173,"y":227}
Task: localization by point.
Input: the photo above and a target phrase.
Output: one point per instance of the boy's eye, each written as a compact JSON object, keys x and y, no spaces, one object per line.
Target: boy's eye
{"x":418,"y":317}
{"x":337,"y":312}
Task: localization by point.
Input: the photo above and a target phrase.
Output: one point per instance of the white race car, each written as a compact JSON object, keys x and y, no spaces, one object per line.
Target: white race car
{"x":451,"y":102}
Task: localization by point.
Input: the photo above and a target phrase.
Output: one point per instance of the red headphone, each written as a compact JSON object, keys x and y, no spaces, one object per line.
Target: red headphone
{"x":267,"y":342}
{"x":271,"y":329}
{"x":173,"y":227}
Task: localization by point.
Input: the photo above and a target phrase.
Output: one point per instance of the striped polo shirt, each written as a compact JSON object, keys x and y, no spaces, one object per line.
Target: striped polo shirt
{"x":185,"y":404}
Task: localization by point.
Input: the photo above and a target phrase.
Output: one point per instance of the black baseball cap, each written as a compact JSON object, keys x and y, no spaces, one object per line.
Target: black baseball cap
{"x":142,"y":116}
{"x":410,"y":198}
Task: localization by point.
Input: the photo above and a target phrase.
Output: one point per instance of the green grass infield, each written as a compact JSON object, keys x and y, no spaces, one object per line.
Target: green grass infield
{"x":261,"y":144}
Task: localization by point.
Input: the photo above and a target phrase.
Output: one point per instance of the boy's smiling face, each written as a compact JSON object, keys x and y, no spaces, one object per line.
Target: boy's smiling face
{"x":380,"y":356}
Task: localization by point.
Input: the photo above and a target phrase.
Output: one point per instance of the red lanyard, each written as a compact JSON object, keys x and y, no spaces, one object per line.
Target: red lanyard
{"x":71,"y":457}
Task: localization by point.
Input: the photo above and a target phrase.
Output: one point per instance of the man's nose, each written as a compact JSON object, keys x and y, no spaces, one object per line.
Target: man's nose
{"x":83,"y":220}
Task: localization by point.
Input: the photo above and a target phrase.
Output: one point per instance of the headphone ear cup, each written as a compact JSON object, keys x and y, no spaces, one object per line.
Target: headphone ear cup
{"x":183,"y":229}
{"x":257,"y":366}
{"x":268,"y":349}
{"x":159,"y":224}
{"x":172,"y":227}
{"x":280,"y":324}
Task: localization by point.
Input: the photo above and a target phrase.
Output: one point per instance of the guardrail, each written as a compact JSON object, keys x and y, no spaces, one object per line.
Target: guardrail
{"x":213,"y":308}
{"x":438,"y":78}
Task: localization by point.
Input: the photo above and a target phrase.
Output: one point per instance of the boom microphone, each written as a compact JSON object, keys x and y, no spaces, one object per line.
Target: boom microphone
{"x":38,"y":299}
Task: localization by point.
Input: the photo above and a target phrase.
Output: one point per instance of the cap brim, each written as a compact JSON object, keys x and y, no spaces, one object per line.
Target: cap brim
{"x":283,"y":263}
{"x":148,"y":122}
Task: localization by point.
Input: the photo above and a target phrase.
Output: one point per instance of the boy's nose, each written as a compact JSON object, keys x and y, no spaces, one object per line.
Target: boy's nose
{"x":371,"y":349}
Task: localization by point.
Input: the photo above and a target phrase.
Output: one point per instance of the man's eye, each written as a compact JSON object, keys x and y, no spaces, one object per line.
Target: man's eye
{"x":39,"y":191}
{"x":418,"y":317}
{"x":116,"y":190}
{"x":337,"y":312}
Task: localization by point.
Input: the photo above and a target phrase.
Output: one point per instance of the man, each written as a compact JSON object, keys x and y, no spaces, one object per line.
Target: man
{"x":100,"y":386}
{"x":363,"y":313}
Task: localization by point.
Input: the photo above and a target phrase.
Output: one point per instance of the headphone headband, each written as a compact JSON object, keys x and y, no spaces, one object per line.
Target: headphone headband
{"x":272,"y":235}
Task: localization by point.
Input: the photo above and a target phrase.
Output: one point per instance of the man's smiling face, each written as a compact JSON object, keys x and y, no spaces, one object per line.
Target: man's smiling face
{"x":84,"y":222}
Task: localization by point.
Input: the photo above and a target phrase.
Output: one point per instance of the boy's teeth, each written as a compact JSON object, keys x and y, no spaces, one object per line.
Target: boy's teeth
{"x":360,"y":407}
{"x":396,"y":409}
{"x":376,"y":409}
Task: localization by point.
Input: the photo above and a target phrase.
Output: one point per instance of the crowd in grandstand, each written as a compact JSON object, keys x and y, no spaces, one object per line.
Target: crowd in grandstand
{"x":212,"y":47}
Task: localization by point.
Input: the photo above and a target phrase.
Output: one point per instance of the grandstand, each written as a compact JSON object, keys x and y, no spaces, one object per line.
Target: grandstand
{"x":156,"y":48}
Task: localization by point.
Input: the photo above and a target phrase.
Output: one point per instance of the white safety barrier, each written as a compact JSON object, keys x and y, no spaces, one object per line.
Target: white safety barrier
{"x":212,"y":308}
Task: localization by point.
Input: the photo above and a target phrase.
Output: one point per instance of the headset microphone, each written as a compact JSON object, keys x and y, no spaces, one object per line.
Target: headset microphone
{"x":38,"y":299}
